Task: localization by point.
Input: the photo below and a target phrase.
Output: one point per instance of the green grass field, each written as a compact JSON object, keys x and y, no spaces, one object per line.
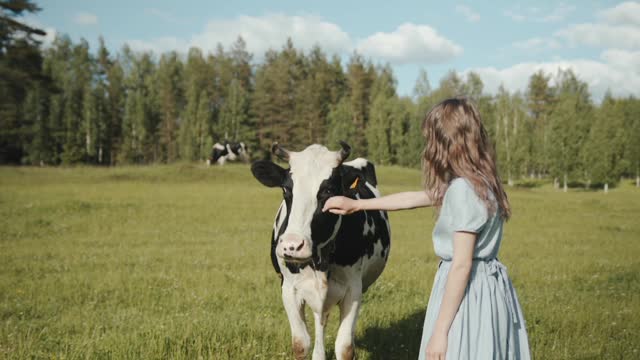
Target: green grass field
{"x":172,"y":262}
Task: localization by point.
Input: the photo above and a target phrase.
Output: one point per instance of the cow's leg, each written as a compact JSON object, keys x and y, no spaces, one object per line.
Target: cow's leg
{"x":221,"y":160}
{"x":318,"y":347}
{"x":349,"y":307}
{"x":300,"y":339}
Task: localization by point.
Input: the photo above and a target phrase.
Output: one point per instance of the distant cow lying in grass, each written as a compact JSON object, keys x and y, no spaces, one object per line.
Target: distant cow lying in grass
{"x":324,"y":259}
{"x":228,"y":151}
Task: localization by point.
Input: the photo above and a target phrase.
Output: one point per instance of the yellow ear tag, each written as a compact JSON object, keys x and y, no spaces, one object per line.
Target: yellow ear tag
{"x":355,"y":183}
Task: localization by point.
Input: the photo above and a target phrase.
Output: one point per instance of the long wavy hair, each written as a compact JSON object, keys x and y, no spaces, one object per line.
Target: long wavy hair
{"x":457,"y":145}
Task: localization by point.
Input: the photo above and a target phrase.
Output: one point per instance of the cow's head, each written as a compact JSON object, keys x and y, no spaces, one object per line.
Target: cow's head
{"x":314,"y":175}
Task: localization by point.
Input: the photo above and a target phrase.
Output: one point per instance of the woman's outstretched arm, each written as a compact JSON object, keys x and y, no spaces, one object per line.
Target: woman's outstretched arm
{"x":399,"y":201}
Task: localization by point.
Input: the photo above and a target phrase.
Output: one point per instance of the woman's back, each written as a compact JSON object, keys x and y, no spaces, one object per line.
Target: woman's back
{"x":463,"y":210}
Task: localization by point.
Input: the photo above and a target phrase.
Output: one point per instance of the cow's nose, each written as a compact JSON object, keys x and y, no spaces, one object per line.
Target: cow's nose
{"x":292,"y":247}
{"x":292,"y":244}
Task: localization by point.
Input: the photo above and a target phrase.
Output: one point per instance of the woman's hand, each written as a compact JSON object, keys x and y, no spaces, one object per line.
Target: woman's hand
{"x":341,"y":205}
{"x":437,"y":347}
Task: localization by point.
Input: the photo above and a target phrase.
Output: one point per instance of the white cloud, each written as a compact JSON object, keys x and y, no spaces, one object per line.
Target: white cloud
{"x":616,"y":32}
{"x":618,"y":71}
{"x":623,"y":13}
{"x":85,"y":18}
{"x":468,"y":13}
{"x":535,"y":14}
{"x":558,"y":14}
{"x":410,"y":43}
{"x":602,"y":35}
{"x":514,"y":15}
{"x":617,"y":27}
{"x":271,"y":31}
{"x":260,"y":33}
{"x":164,"y":16}
{"x":537,"y":44}
{"x":623,"y":60}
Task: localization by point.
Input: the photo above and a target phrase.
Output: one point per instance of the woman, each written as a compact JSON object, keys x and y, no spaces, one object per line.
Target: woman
{"x":473,"y":310}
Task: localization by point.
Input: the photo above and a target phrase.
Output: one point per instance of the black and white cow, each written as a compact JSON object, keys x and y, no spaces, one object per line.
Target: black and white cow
{"x":324,"y":259}
{"x":230,"y":151}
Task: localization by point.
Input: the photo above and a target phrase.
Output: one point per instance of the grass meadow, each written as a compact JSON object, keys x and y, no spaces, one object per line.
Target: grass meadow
{"x":172,"y":262}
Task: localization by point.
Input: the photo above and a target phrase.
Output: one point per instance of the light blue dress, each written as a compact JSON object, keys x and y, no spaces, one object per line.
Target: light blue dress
{"x":489,"y":323}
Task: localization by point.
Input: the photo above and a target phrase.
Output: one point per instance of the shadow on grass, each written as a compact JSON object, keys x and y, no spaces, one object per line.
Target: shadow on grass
{"x":399,"y":340}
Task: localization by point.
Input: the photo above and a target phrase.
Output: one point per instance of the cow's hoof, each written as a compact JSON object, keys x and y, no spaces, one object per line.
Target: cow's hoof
{"x":300,"y":349}
{"x":347,"y":353}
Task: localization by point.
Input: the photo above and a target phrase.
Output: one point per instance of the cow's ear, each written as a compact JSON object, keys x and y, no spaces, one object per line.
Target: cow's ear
{"x":268,"y":173}
{"x":351,"y":179}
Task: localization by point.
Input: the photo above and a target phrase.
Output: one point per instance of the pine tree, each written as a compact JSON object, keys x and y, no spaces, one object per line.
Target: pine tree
{"x":37,"y":113}
{"x":601,"y":150}
{"x":112,"y":96}
{"x":540,"y":100}
{"x":502,"y":132}
{"x":140,"y":120}
{"x":234,"y":115}
{"x":241,"y":64}
{"x":307,"y":109}
{"x":89,"y":125}
{"x":473,"y":87}
{"x":20,"y":71}
{"x":631,"y":131}
{"x":315,"y":96}
{"x":338,"y":80}
{"x":384,"y":83}
{"x":341,"y":126}
{"x":402,"y":114}
{"x":75,"y":86}
{"x":450,"y":85}
{"x":422,"y":87}
{"x":359,"y":81}
{"x":170,"y":99}
{"x":103,"y":145}
{"x":201,"y":130}
{"x":187,"y":143}
{"x":275,"y":98}
{"x":378,"y":130}
{"x":569,"y":122}
{"x":217,"y":73}
{"x":56,"y":67}
{"x":508,"y":126}
{"x":414,"y":140}
{"x":523,"y":137}
{"x":385,"y":118}
{"x":290,"y":74}
{"x":262,"y":110}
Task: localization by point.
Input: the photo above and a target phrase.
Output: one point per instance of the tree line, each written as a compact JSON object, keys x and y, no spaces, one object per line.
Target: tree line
{"x":64,"y":104}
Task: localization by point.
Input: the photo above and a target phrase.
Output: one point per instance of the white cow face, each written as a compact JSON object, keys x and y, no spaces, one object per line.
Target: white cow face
{"x":314,"y":176}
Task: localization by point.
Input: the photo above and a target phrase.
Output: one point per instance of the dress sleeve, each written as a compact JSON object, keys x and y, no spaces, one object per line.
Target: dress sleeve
{"x":466,"y":211}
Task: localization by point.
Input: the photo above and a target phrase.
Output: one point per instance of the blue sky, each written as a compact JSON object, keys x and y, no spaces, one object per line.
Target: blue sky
{"x":503,"y":41}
